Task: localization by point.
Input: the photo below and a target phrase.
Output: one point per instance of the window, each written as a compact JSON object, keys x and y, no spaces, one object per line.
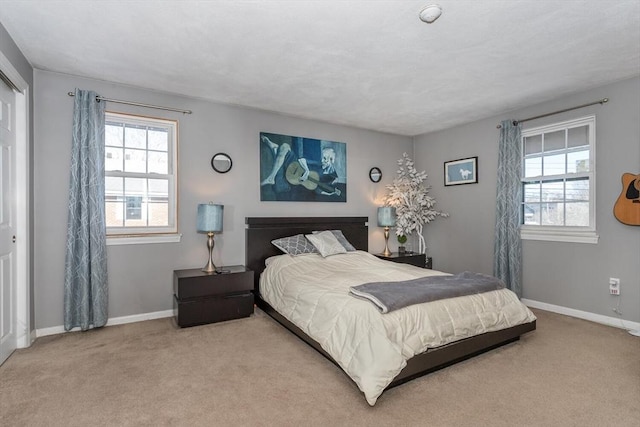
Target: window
{"x":558,"y":182}
{"x":140,"y":175}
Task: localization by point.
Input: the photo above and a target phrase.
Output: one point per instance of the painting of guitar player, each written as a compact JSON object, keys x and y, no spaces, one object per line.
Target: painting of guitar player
{"x":298,"y":169}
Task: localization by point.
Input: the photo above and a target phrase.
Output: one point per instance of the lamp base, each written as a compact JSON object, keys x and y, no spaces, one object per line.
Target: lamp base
{"x":210,"y":267}
{"x":386,"y":251}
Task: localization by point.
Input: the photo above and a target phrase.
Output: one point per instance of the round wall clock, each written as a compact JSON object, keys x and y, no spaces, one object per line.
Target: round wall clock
{"x":221,"y":163}
{"x":375,"y":174}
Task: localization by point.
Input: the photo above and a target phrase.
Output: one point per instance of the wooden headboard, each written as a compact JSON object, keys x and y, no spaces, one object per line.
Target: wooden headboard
{"x":260,"y":231}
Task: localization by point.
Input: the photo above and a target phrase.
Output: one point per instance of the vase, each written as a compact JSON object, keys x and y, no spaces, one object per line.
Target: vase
{"x":409,"y":245}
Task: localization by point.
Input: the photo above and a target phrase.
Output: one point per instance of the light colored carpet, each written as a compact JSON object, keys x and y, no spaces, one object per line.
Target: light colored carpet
{"x":253,"y":372}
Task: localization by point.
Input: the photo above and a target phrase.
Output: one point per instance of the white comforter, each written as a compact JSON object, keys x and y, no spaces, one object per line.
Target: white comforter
{"x":372,"y":348}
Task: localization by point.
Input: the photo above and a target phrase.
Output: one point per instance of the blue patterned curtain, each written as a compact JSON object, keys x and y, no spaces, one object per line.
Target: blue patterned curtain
{"x":85,"y":283}
{"x":507,"y":259}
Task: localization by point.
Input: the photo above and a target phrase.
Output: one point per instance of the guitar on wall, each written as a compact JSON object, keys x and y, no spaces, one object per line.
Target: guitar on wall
{"x":627,"y":207}
{"x":295,"y":171}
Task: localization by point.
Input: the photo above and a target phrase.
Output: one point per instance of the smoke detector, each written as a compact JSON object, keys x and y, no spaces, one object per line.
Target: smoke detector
{"x":430,"y":13}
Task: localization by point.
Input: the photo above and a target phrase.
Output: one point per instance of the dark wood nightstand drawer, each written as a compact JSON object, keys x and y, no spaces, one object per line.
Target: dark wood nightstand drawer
{"x":419,"y":260}
{"x":201,"y":297}
{"x":194,"y":282}
{"x":201,"y":311}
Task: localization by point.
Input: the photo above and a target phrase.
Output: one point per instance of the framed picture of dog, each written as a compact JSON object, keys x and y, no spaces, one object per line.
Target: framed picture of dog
{"x":462,"y":171}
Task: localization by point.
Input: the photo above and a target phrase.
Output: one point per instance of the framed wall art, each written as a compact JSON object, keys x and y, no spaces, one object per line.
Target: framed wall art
{"x":462,"y":171}
{"x":298,"y":169}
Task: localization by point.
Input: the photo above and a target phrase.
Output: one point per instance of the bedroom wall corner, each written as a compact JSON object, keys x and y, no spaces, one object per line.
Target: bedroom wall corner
{"x":140,"y":276}
{"x":569,"y":275}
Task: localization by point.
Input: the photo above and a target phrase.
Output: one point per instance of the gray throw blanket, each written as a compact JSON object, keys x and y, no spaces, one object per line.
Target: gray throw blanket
{"x":390,"y":296}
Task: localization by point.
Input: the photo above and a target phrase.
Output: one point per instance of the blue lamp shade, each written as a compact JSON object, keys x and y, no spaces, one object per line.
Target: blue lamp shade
{"x":210,"y":217}
{"x":386,"y":216}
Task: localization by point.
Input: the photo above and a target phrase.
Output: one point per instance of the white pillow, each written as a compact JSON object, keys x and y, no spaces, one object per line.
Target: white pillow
{"x":326,"y":243}
{"x":343,"y":240}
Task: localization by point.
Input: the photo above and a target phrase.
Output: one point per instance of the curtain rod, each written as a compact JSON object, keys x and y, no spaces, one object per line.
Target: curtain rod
{"x":515,"y":122}
{"x":137,"y":104}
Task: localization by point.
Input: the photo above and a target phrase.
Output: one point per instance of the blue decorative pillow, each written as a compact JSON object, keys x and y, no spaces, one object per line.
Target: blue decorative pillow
{"x":295,"y":245}
{"x":343,"y":240}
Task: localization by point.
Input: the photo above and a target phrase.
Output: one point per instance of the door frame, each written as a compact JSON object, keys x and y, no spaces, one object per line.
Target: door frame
{"x":25,"y":334}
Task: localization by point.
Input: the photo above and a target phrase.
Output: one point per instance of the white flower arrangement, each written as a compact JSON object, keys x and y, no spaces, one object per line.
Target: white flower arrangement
{"x":414,"y":207}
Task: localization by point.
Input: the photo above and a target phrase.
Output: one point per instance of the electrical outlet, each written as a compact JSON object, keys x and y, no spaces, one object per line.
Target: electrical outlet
{"x":614,"y":286}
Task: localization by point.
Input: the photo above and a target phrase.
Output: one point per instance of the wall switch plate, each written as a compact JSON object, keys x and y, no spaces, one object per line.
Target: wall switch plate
{"x":614,"y":286}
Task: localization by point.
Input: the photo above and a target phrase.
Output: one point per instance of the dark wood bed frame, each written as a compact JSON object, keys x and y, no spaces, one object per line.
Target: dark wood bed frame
{"x":261,"y":231}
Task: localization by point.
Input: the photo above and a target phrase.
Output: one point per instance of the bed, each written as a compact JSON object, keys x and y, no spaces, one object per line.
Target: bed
{"x":261,"y":231}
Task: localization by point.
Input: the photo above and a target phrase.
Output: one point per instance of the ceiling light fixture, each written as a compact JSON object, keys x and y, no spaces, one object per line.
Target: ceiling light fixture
{"x":430,"y":13}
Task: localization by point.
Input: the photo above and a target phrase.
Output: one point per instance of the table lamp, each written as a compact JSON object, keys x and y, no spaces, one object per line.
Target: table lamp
{"x":210,"y":221}
{"x":386,"y":219}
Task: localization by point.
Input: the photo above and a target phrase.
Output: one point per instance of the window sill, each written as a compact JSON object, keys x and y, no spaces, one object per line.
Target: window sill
{"x":559,"y":235}
{"x":143,"y":240}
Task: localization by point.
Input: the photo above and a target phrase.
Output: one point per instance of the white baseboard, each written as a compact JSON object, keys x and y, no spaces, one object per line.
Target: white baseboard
{"x":111,"y":322}
{"x":598,"y":318}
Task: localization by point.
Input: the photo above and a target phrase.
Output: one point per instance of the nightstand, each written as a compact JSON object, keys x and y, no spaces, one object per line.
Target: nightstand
{"x":201,"y":298}
{"x":419,"y":260}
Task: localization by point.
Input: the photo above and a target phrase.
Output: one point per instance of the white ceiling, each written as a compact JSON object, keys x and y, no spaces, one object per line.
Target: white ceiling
{"x":371,"y":64}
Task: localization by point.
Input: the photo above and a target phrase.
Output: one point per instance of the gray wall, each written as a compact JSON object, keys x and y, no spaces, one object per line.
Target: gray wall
{"x":13,"y":54}
{"x":570,"y":275}
{"x":20,"y":63}
{"x":140,"y":276}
